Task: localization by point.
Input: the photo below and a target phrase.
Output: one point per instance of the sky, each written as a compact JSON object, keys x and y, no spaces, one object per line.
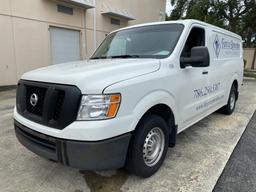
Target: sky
{"x":168,"y":7}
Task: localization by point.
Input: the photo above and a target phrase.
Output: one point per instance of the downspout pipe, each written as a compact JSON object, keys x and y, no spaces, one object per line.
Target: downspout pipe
{"x":94,"y":26}
{"x":85,"y":40}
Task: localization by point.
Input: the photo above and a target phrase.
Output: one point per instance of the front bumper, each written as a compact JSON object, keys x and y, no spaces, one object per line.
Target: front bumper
{"x":83,"y":130}
{"x":99,"y":155}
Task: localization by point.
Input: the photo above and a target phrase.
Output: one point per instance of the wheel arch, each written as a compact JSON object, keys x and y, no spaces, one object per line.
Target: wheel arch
{"x":236,"y":84}
{"x":234,"y":80}
{"x":159,"y":103}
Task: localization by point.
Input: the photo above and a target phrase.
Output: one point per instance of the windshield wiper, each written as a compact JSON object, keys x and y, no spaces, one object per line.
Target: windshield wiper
{"x":103,"y":57}
{"x":116,"y":56}
{"x":125,"y":56}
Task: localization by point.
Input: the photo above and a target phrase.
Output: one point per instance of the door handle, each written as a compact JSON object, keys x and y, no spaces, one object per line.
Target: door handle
{"x":205,"y":72}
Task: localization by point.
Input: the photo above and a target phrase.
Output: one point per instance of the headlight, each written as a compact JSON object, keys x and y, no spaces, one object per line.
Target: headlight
{"x":96,"y":107}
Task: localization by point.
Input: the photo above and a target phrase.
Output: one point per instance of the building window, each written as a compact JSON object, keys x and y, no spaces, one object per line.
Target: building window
{"x":115,"y":21}
{"x":65,"y":9}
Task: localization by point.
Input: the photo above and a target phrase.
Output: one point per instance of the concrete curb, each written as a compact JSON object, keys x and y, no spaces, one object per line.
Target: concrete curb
{"x":7,"y":88}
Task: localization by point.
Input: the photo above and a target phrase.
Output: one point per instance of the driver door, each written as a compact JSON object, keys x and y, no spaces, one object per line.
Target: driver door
{"x":193,"y":81}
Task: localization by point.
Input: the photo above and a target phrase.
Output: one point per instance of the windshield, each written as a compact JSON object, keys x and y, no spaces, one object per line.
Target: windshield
{"x":156,"y":41}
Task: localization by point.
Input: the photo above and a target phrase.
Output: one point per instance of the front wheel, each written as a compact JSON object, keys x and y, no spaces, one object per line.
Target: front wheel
{"x":230,"y":107}
{"x":148,"y":146}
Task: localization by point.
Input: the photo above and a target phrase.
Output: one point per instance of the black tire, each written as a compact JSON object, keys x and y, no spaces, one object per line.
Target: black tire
{"x":229,"y":108}
{"x":135,"y":162}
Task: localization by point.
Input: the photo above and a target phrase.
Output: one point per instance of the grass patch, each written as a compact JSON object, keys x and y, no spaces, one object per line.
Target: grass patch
{"x":250,"y":70}
{"x":250,"y":74}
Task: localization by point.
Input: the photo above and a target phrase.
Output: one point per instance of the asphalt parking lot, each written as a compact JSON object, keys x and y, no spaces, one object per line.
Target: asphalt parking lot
{"x":195,"y":164}
{"x":239,"y":173}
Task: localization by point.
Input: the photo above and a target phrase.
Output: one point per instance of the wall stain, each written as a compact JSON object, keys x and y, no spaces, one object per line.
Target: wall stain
{"x":99,"y":183}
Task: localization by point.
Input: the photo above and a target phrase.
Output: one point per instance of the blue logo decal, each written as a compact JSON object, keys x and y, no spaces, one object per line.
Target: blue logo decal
{"x":216,"y":46}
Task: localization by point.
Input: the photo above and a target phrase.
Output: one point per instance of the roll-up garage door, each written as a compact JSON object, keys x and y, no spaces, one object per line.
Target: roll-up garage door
{"x":65,"y":45}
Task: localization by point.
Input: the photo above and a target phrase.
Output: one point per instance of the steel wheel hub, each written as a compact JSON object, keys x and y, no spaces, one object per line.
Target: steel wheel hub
{"x":153,"y":146}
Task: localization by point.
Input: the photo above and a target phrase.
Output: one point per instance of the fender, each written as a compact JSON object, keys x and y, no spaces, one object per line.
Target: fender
{"x":234,"y":77}
{"x":150,"y":100}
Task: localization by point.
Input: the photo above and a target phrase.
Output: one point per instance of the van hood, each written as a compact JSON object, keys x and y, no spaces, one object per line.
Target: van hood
{"x":92,"y":76}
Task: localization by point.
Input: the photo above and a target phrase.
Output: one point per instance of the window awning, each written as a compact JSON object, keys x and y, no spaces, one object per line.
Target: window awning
{"x":109,"y":11}
{"x":86,"y":4}
{"x":120,"y":14}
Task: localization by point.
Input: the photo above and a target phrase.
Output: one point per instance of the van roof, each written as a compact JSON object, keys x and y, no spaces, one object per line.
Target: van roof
{"x":185,"y":22}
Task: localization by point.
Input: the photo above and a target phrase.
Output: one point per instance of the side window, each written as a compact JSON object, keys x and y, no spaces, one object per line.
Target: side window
{"x":195,"y":38}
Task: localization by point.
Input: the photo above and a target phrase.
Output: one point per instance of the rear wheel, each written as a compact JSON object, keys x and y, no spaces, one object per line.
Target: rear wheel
{"x":230,"y":107}
{"x":148,"y":146}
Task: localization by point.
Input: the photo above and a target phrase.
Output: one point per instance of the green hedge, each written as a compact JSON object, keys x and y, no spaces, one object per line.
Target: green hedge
{"x":250,"y":74}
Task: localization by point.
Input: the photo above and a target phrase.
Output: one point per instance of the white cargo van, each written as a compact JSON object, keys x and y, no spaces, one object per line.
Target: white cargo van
{"x":126,"y":104}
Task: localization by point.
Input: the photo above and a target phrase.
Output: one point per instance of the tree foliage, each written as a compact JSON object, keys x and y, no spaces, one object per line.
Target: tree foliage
{"x":237,"y":16}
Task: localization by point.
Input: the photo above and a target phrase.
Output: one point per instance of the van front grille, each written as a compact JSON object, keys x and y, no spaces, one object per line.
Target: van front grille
{"x":38,"y":108}
{"x":56,"y":105}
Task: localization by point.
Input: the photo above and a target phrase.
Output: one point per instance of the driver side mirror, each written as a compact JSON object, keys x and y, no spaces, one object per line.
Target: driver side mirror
{"x":199,"y":58}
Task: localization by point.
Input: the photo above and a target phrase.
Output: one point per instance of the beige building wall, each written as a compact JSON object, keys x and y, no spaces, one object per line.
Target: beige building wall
{"x":248,"y":56}
{"x":25,"y":37}
{"x":143,"y":10}
{"x":8,"y":67}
